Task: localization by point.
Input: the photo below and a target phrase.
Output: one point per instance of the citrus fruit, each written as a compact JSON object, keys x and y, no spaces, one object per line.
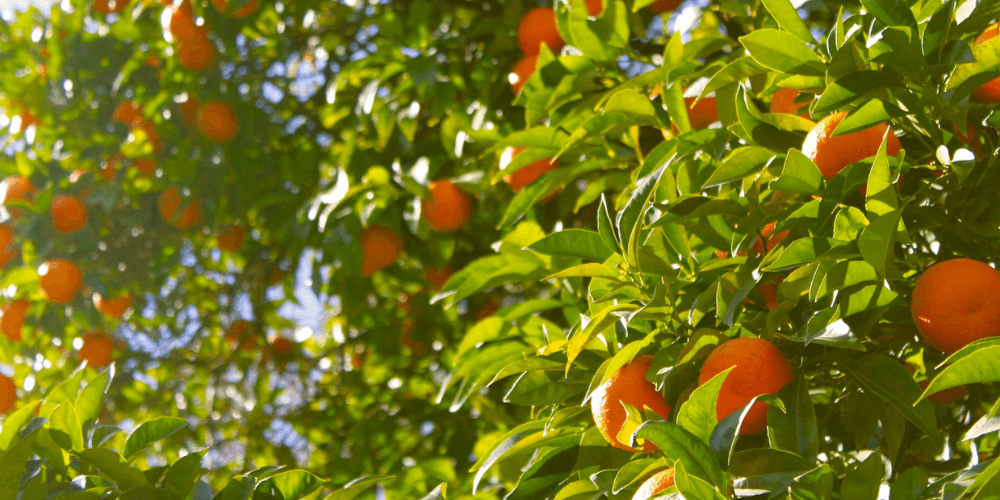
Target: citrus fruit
{"x":183,"y":25}
{"x":772,"y":241}
{"x":146,"y":166}
{"x":196,"y":54}
{"x":628,"y":385}
{"x":595,"y":7}
{"x":990,"y":91}
{"x":521,"y":73}
{"x":833,"y":154}
{"x":238,"y":335}
{"x":538,"y":26}
{"x":189,"y":111}
{"x":243,"y":11}
{"x":170,"y":202}
{"x":947,"y":396}
{"x":380,"y":247}
{"x":957,"y":302}
{"x":12,"y":318}
{"x":217,"y":121}
{"x":16,"y":188}
{"x":783,"y":101}
{"x":437,"y":276}
{"x":448,"y":209}
{"x":127,"y":112}
{"x":96,"y":349}
{"x":68,"y":214}
{"x":59,"y":280}
{"x":231,"y":238}
{"x":655,"y":484}
{"x":7,"y":254}
{"x":114,"y":308}
{"x":151,"y":135}
{"x":703,"y":113}
{"x":760,"y":368}
{"x":528,"y":173}
{"x":661,"y":6}
{"x":8,"y":394}
{"x":110,"y":6}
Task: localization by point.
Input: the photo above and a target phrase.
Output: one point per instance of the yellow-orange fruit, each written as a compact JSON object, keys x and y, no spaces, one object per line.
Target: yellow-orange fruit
{"x":702,"y":114}
{"x":238,"y":335}
{"x":437,"y":276}
{"x":380,"y":247}
{"x":231,"y":238}
{"x":114,"y":308}
{"x":12,"y":318}
{"x":16,"y":188}
{"x":145,"y":165}
{"x":538,"y":26}
{"x":110,"y":6}
{"x":990,"y":91}
{"x":448,"y":209}
{"x":521,"y":73}
{"x":7,"y":254}
{"x":68,"y":214}
{"x":772,"y":241}
{"x":655,"y":484}
{"x":183,"y":26}
{"x":627,"y":385}
{"x":127,"y":112}
{"x":661,"y":6}
{"x":524,"y":176}
{"x":96,"y":350}
{"x":170,"y":202}
{"x":196,"y":54}
{"x":8,"y":394}
{"x":760,"y":368}
{"x":243,"y":11}
{"x":59,"y":280}
{"x":833,"y":154}
{"x":783,"y":101}
{"x":217,"y":121}
{"x":957,"y":302}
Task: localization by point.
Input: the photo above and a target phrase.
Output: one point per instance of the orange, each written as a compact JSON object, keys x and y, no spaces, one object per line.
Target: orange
{"x":487,"y":310}
{"x":529,"y":173}
{"x":595,"y":7}
{"x":8,"y":394}
{"x":146,"y":166}
{"x":16,"y":188}
{"x":68,"y":214}
{"x":380,"y":247}
{"x":170,"y":202}
{"x":196,"y":54}
{"x":947,"y":396}
{"x":772,"y":241}
{"x":189,"y":111}
{"x":127,"y":112}
{"x":7,"y":254}
{"x":783,"y":101}
{"x":110,"y":6}
{"x":183,"y":26}
{"x":956,"y":303}
{"x":702,"y":114}
{"x":281,"y":345}
{"x":971,"y":139}
{"x":12,"y":318}
{"x":661,"y":6}
{"x":449,"y":207}
{"x":96,"y":349}
{"x":538,"y":26}
{"x":833,"y":154}
{"x":239,"y":336}
{"x":59,"y":280}
{"x":109,"y":167}
{"x":521,"y":73}
{"x":243,"y":11}
{"x":217,"y":121}
{"x":231,"y":238}
{"x":760,"y":368}
{"x":990,"y":91}
{"x":114,"y":308}
{"x":150,"y":129}
{"x":655,"y":484}
{"x":437,"y":276}
{"x":628,"y":385}
{"x":770,"y":294}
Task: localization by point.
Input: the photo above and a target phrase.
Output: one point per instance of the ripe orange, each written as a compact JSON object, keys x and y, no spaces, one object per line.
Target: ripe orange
{"x":661,"y":6}
{"x":7,"y":254}
{"x":833,"y":154}
{"x":529,"y":173}
{"x":189,"y":111}
{"x":231,"y":238}
{"x":970,"y":138}
{"x":196,"y":54}
{"x":110,"y":6}
{"x":595,"y":7}
{"x":96,"y":349}
{"x":783,"y":101}
{"x":655,"y":484}
{"x":437,"y":276}
{"x":281,"y":345}
{"x":183,"y":26}
{"x":243,"y":11}
{"x":170,"y":202}
{"x":760,"y":368}
{"x":217,"y":121}
{"x":127,"y":112}
{"x":16,"y":188}
{"x":380,"y":247}
{"x":947,"y":396}
{"x":145,"y":165}
{"x":521,"y":73}
{"x":702,"y":114}
{"x":770,"y":294}
{"x":109,"y":167}
{"x":238,"y":335}
{"x":68,"y":214}
{"x":59,"y":280}
{"x":8,"y":394}
{"x":990,"y":91}
{"x":114,"y":308}
{"x":627,"y":385}
{"x":538,"y":26}
{"x":449,"y":207}
{"x":955,"y":303}
{"x":12,"y":318}
{"x":772,"y":241}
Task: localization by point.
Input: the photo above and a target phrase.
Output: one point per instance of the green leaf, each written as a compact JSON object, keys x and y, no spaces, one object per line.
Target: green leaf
{"x":800,"y":252}
{"x":292,"y":483}
{"x":734,"y":72}
{"x":65,"y":427}
{"x":799,"y":175}
{"x":880,"y":198}
{"x":630,"y":218}
{"x":873,"y":112}
{"x":13,"y":423}
{"x":114,"y":467}
{"x":183,"y":474}
{"x":987,"y":56}
{"x":238,"y":488}
{"x":578,"y":243}
{"x":682,"y":446}
{"x":785,"y":15}
{"x":876,"y":240}
{"x":910,"y":485}
{"x":502,"y":447}
{"x":590,"y":270}
{"x":723,"y":438}
{"x":863,"y":483}
{"x":757,"y":130}
{"x":606,"y":228}
{"x":782,"y":52}
{"x":884,"y":378}
{"x":794,"y":429}
{"x":356,"y":487}
{"x":694,"y":487}
{"x":146,"y":492}
{"x":971,"y":364}
{"x":486,"y":272}
{"x":851,"y":87}
{"x":91,"y":399}
{"x":150,"y":432}
{"x":13,"y":465}
{"x":590,"y":329}
{"x":741,"y":163}
{"x":698,"y":414}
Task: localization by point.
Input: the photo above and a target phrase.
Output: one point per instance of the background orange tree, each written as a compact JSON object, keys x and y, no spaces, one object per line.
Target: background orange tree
{"x":579,"y":249}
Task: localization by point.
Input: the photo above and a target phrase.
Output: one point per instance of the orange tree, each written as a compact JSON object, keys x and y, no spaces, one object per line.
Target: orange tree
{"x":578,"y":249}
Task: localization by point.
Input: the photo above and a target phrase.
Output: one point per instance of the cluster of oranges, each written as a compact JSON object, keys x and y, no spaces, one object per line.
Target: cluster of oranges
{"x":195,"y":50}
